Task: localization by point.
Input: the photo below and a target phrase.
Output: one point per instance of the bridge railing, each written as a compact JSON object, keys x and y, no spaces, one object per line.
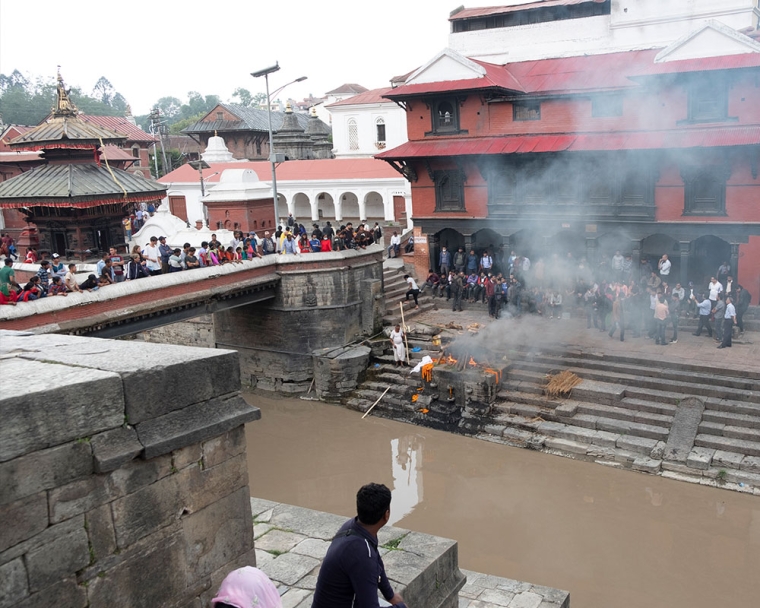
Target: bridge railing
{"x":236,"y":272}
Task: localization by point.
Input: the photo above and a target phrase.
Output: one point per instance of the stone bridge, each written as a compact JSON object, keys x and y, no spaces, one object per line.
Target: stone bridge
{"x":135,"y":306}
{"x":274,"y":310}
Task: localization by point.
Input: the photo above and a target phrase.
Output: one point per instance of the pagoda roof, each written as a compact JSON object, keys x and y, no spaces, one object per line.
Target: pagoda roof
{"x":77,"y":186}
{"x":65,"y":129}
{"x":65,"y":132}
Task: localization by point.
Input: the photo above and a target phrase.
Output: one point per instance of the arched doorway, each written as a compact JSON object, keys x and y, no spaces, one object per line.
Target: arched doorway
{"x":449,"y":238}
{"x":374,"y":208}
{"x":349,"y":208}
{"x":282,"y":208}
{"x":607,"y":244}
{"x":707,"y":254}
{"x":301,"y":207}
{"x":655,"y":246}
{"x":486,"y":239}
{"x":325,"y":207}
{"x":567,"y":245}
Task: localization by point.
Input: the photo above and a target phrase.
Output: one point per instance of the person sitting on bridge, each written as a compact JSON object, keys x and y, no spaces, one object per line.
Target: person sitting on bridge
{"x":289,"y":246}
{"x":31,"y":291}
{"x":57,"y":288}
{"x":135,"y":269}
{"x":316,"y":243}
{"x":106,"y":277}
{"x":191,"y":260}
{"x":7,"y":283}
{"x":175,"y":260}
{"x":89,"y":284}
{"x":304,"y":246}
{"x":353,"y":571}
{"x":70,"y":279}
{"x":267,"y":244}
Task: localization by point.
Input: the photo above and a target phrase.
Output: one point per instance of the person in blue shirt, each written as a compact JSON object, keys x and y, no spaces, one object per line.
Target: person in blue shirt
{"x":705,"y":310}
{"x":444,"y":261}
{"x":353,"y":571}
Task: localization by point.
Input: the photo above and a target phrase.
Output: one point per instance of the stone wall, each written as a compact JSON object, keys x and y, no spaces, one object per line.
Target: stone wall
{"x":123,"y":472}
{"x":193,"y":332}
{"x":315,"y":307}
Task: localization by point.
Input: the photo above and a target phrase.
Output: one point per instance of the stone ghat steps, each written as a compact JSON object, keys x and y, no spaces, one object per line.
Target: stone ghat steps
{"x":649,"y":370}
{"x":655,"y":364}
{"x":738,"y":447}
{"x":574,"y":439}
{"x":394,"y":289}
{"x":715,"y":388}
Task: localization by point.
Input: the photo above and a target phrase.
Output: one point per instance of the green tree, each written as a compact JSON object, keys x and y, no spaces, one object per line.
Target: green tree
{"x":177,"y":127}
{"x":174,"y":157}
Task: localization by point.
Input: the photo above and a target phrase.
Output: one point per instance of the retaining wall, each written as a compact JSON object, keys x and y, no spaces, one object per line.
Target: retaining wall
{"x":123,"y":475}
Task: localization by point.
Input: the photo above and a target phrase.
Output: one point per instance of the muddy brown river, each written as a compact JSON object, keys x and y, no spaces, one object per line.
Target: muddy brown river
{"x":614,"y":539}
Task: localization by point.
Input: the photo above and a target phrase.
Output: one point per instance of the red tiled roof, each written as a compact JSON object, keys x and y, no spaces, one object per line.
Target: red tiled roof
{"x":113,"y":153}
{"x":490,"y":11}
{"x":296,"y":170}
{"x":121,"y":125}
{"x":577,"y":142}
{"x":704,"y":64}
{"x":373,"y":96}
{"x":496,"y":77}
{"x":352,"y":88}
{"x":564,"y":75}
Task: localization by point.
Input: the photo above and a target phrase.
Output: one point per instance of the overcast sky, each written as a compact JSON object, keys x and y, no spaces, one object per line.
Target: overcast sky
{"x":154,"y":49}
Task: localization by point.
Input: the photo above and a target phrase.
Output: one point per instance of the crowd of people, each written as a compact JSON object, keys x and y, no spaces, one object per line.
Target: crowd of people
{"x":157,"y":257}
{"x":615,"y":296}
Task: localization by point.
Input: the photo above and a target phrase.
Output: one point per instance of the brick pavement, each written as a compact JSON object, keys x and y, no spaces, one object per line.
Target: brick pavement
{"x":744,"y":355}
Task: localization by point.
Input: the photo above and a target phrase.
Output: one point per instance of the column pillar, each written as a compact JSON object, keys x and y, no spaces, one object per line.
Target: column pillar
{"x":684,"y":249}
{"x":735,"y":263}
{"x":591,"y":252}
{"x":636,"y":258}
{"x":467,"y":242}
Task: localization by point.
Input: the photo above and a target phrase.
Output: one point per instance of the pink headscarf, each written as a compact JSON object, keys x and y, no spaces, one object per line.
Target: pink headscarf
{"x":248,"y":587}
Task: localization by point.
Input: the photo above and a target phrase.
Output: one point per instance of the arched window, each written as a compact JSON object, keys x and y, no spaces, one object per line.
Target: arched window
{"x":380,"y":128}
{"x":353,"y":135}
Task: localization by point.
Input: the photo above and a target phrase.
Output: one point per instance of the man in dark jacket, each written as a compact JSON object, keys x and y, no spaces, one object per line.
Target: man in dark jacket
{"x":743,"y":298}
{"x":353,"y":571}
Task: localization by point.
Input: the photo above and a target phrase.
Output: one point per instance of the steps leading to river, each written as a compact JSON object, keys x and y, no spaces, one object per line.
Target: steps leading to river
{"x":394,"y":289}
{"x":687,"y":421}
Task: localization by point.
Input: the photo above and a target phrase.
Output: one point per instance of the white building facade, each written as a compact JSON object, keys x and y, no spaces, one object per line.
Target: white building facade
{"x":498,"y":35}
{"x":366,"y":124}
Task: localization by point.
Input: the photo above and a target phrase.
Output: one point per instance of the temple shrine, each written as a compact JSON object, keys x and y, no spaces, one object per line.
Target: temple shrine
{"x":76,"y":199}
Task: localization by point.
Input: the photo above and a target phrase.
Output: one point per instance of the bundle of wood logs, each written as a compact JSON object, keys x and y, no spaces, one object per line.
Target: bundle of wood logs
{"x":560,"y":385}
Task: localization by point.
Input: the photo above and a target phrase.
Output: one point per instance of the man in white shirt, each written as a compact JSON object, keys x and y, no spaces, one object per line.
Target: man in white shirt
{"x":70,"y":279}
{"x":395,"y":245}
{"x":414,"y":291}
{"x":664,"y":266}
{"x":715,"y":288}
{"x":729,"y":320}
{"x":153,"y":257}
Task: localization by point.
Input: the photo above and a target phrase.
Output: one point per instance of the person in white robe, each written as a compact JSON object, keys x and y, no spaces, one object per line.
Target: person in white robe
{"x":397,"y":342}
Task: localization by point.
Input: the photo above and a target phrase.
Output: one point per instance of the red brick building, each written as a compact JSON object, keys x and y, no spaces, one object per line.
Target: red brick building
{"x":650,"y":152}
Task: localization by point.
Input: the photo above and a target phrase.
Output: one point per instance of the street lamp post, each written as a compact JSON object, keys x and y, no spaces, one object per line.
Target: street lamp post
{"x":272,"y":156}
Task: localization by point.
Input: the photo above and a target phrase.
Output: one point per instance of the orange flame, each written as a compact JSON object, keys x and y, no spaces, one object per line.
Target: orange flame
{"x":450,"y":360}
{"x":495,"y":372}
{"x":472,"y":362}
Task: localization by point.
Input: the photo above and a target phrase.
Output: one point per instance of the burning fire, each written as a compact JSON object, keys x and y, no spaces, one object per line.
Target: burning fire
{"x":449,"y":360}
{"x":472,"y":362}
{"x":495,"y":372}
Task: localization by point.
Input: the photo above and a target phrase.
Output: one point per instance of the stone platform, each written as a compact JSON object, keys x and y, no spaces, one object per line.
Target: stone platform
{"x":687,"y":411}
{"x":292,"y":541}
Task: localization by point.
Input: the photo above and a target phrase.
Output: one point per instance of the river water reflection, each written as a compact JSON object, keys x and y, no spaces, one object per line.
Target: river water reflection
{"x":612,"y":538}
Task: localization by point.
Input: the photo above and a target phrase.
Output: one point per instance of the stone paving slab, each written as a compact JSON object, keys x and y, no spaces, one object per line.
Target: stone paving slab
{"x":488,"y":591}
{"x":422,"y":567}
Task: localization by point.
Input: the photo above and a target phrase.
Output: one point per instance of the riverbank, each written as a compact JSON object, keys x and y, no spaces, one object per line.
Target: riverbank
{"x":291,"y":543}
{"x":611,"y":538}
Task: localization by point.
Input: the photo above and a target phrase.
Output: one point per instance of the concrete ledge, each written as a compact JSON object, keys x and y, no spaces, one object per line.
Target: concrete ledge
{"x":423,"y":568}
{"x":193,"y":424}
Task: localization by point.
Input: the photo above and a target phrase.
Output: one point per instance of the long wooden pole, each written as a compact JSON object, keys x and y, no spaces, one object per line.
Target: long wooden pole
{"x":375,"y":403}
{"x":403,"y":327}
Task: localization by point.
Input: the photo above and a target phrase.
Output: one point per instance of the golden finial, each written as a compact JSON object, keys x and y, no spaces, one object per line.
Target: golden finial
{"x":64,"y":105}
